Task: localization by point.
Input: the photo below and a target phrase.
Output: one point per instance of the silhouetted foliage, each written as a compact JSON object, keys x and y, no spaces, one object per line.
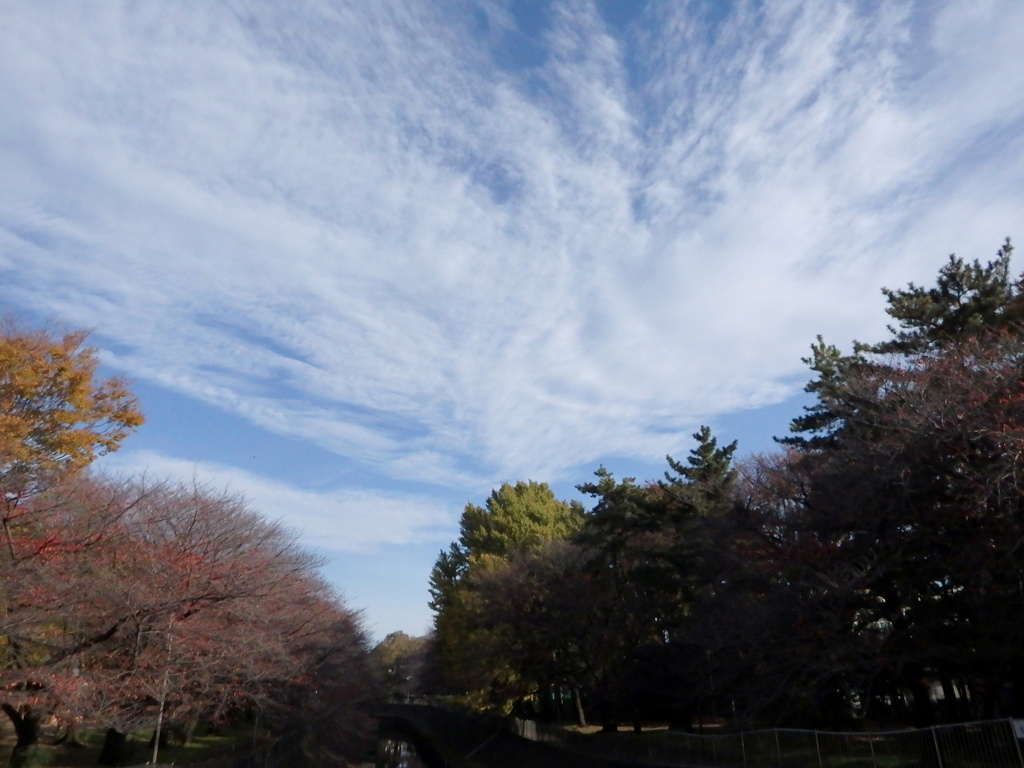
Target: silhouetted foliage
{"x":869,"y":570}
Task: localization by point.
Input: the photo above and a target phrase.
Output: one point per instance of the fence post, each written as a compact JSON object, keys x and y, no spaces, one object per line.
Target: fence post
{"x":1016,"y":740}
{"x":817,"y":748}
{"x":743,"y":749}
{"x":938,"y":752}
{"x":871,"y":746}
{"x":778,"y":749}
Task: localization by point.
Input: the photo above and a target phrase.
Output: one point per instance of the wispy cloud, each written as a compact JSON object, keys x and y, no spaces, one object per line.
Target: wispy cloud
{"x":337,"y":521}
{"x":355,"y":225}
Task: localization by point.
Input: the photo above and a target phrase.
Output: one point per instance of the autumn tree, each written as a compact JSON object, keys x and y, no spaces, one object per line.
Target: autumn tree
{"x":908,"y":494}
{"x":921,"y":500}
{"x":56,"y":416}
{"x":126,"y":602}
{"x":969,"y":299}
{"x":133,"y":603}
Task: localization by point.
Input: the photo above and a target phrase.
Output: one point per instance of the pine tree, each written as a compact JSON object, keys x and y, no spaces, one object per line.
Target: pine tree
{"x":968,"y":300}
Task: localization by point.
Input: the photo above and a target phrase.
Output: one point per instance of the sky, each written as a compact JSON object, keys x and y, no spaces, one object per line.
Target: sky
{"x":364,"y":262}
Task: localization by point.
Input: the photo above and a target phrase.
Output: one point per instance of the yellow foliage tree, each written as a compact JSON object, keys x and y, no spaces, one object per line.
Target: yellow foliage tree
{"x":515,"y":519}
{"x":56,"y":417}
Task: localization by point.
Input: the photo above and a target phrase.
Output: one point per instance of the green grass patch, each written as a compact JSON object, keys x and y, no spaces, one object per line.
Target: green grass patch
{"x":138,"y":750}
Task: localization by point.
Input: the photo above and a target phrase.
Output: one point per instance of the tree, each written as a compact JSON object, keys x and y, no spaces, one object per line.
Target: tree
{"x":655,"y":545}
{"x":538,"y":598}
{"x":875,"y":558}
{"x":908,"y":471}
{"x":967,"y":300}
{"x":515,"y":518}
{"x":926,"y":486}
{"x":399,"y":658}
{"x":131,"y":603}
{"x":706,"y":481}
{"x":55,"y":416}
{"x":555,"y":626}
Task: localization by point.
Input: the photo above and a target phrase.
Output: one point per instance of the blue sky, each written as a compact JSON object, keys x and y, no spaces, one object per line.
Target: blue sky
{"x":366,"y":261}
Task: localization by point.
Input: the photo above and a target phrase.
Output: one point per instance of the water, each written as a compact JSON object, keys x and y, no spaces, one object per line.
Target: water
{"x":395,"y":753}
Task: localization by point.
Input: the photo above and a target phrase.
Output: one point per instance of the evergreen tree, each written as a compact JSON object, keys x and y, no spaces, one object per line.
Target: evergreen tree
{"x":968,"y":300}
{"x":905,"y":497}
{"x":707,"y":480}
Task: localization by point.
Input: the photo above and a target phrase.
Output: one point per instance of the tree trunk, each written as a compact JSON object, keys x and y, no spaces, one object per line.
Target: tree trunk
{"x":113,"y":751}
{"x":950,"y":701}
{"x":581,"y":719}
{"x":924,"y":714}
{"x":164,"y":736}
{"x":609,"y":718}
{"x":190,"y":730}
{"x":26,"y":727}
{"x":71,"y":737}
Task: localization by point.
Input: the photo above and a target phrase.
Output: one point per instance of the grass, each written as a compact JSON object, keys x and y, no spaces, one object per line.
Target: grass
{"x":139,"y":750}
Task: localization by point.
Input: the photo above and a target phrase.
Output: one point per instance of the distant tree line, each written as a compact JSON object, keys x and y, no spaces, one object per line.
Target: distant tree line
{"x":128,"y":603}
{"x":871,"y":570}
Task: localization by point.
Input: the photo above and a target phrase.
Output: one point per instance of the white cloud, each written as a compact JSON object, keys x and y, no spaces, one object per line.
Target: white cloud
{"x":339,"y":521}
{"x":349,"y":224}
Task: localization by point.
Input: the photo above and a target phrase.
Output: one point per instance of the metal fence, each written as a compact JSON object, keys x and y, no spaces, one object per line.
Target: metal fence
{"x":990,"y":744}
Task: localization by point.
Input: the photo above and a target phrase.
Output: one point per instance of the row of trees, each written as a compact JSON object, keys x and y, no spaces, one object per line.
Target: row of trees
{"x":871,"y":569}
{"x":127,"y":602}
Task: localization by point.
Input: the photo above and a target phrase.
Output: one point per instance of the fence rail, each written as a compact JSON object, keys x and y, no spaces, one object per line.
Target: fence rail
{"x":989,"y":744}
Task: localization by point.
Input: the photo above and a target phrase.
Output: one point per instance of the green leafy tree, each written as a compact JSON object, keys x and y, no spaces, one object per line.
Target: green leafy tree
{"x":705,"y":484}
{"x":514,"y":519}
{"x":559,"y":630}
{"x":399,"y":659}
{"x":666,"y":524}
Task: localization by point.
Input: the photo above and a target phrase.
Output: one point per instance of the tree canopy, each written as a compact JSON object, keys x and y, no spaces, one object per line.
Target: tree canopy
{"x":131,"y":602}
{"x":515,"y":519}
{"x":846,"y":578}
{"x":55,"y":415}
{"x":968,"y":298}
